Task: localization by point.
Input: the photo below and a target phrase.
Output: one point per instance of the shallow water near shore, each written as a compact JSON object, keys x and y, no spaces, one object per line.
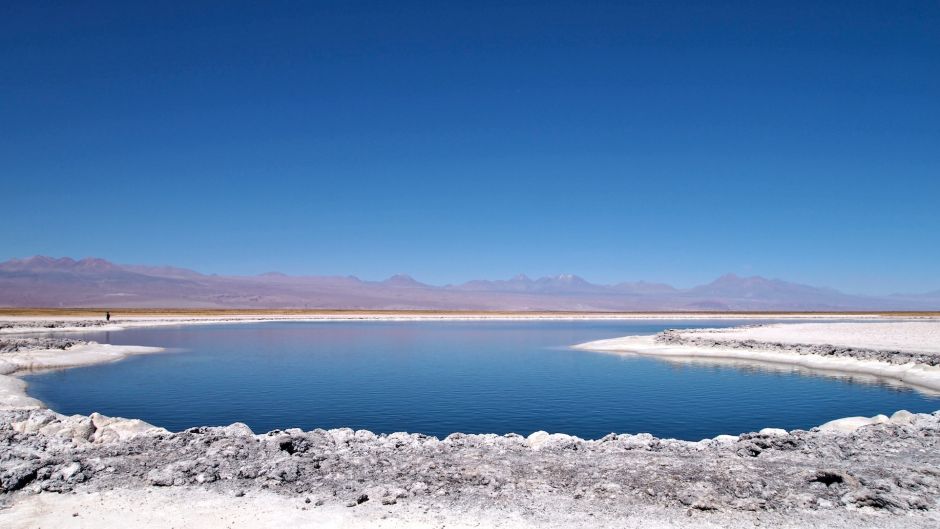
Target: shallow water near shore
{"x":443,"y":377}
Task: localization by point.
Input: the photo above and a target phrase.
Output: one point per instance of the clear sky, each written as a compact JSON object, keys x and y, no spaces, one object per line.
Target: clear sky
{"x":665,"y":141}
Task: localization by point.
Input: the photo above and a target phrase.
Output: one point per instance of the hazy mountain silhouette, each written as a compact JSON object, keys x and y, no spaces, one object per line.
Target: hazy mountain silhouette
{"x":92,"y":282}
{"x":403,"y":280}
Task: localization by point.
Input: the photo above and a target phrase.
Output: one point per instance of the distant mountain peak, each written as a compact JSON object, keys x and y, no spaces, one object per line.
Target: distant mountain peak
{"x":95,"y":264}
{"x":771,"y":291}
{"x":735,"y":279}
{"x":402,"y":280}
{"x":645,"y":288}
{"x":43,"y":262}
{"x":731,"y":277}
{"x":567,"y":279}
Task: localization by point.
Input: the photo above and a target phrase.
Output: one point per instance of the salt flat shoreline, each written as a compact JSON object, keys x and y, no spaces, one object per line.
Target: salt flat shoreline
{"x":853,"y":472}
{"x":42,"y":358}
{"x":907,"y":352}
{"x":17,"y":323}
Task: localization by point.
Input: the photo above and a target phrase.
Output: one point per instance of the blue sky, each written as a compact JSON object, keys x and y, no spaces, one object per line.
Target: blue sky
{"x":665,"y":141}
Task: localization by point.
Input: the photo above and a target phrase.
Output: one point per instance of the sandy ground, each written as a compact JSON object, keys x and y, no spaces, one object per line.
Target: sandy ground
{"x":58,"y":471}
{"x":121,"y":509}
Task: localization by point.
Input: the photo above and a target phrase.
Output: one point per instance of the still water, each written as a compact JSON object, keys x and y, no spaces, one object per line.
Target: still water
{"x":443,"y":377}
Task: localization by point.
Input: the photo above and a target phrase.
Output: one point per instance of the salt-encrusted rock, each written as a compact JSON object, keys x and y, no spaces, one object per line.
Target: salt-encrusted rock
{"x":536,"y":440}
{"x":34,"y":422}
{"x":162,"y":477}
{"x":642,"y":441}
{"x":540,"y":440}
{"x":342,"y":436}
{"x":902,"y":417}
{"x":70,"y":470}
{"x":237,"y":429}
{"x":364,"y":435}
{"x":76,"y":428}
{"x":850,"y":424}
{"x":115,"y":429}
{"x":18,"y":326}
{"x":771,"y":432}
{"x":14,"y":345}
{"x":17,"y":475}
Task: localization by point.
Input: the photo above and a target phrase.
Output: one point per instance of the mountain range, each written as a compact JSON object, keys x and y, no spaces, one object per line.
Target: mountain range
{"x":92,"y":282}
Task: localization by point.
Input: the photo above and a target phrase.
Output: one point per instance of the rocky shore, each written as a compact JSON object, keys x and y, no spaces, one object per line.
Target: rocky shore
{"x":16,"y":345}
{"x":887,"y":468}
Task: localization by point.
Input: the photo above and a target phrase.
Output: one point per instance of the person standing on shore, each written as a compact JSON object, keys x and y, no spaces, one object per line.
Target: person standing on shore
{"x":107,"y":316}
